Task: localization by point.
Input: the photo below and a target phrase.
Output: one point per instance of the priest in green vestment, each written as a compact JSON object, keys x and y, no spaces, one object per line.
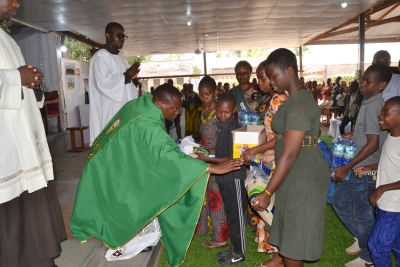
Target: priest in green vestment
{"x":135,"y":172}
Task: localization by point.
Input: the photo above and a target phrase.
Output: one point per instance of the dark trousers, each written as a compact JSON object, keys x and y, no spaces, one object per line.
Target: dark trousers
{"x":177,"y":122}
{"x":345,"y":121}
{"x":235,"y":201}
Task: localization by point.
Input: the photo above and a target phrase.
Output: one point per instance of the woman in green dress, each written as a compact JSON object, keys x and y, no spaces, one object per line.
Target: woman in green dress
{"x":301,"y":177}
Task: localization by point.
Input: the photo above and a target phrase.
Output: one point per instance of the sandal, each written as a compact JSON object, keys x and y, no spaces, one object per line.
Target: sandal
{"x":214,"y":244}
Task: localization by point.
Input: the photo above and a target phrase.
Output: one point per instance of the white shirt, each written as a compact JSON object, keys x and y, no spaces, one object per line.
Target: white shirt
{"x":393,"y":87}
{"x":107,"y":89}
{"x":25,"y":161}
{"x":389,"y":172}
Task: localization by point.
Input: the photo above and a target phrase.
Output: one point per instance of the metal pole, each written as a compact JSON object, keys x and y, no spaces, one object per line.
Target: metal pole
{"x":361,"y":43}
{"x":205,"y":62}
{"x":301,"y":60}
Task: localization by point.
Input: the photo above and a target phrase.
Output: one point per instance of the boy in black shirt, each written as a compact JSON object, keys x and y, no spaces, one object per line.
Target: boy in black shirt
{"x":231,"y":185}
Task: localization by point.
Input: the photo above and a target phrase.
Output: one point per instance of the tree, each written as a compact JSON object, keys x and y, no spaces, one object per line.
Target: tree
{"x":78,"y":50}
{"x":196,"y":70}
{"x":133,"y":59}
{"x":244,"y":53}
{"x":306,"y":50}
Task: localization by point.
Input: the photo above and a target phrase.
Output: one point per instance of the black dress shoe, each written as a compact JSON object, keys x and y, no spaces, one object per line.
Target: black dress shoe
{"x":147,"y":249}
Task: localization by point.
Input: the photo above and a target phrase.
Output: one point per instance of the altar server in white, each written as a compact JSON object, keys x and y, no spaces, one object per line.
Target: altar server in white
{"x":111,"y":80}
{"x":31,"y":225}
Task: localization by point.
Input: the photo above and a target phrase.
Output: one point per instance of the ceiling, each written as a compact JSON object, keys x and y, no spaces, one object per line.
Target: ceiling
{"x":160,"y":26}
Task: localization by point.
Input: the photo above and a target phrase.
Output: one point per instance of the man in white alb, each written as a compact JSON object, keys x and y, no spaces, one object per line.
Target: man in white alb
{"x":111,"y":80}
{"x":31,"y":224}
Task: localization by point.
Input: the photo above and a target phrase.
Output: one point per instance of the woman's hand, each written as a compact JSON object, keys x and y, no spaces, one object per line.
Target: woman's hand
{"x":360,"y":171}
{"x":375,"y":196}
{"x":261,"y":201}
{"x":340,"y":173}
{"x":268,"y":156}
{"x":245,"y":155}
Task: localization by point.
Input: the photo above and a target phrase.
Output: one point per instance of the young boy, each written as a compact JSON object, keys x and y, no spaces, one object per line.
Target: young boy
{"x":350,"y":103}
{"x":350,"y":199}
{"x":231,"y":185}
{"x":385,"y":233}
{"x":340,"y":101}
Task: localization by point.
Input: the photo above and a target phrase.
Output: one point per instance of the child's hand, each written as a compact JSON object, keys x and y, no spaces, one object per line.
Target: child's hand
{"x":341,"y":173}
{"x":348,"y":136}
{"x":360,"y":171}
{"x":375,"y":196}
{"x":202,"y":157}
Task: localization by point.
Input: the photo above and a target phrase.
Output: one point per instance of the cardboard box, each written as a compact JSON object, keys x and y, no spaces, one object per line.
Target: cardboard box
{"x":247,"y":137}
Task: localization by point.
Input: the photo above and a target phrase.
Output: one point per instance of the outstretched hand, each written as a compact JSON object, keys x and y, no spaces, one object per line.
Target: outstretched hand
{"x":245,"y":155}
{"x":31,"y":77}
{"x":225,"y":167}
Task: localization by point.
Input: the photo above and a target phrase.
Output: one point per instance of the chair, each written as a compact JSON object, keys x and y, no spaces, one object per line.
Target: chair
{"x":51,"y":108}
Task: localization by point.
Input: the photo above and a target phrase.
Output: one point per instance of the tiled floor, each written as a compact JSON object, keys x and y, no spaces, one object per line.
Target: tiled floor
{"x":67,"y":169}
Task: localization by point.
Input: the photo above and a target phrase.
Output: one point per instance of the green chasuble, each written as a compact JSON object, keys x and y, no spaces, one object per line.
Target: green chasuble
{"x":134,"y":173}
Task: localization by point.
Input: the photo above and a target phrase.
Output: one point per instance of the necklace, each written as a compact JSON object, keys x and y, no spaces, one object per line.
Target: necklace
{"x":204,"y":119}
{"x":295,"y":89}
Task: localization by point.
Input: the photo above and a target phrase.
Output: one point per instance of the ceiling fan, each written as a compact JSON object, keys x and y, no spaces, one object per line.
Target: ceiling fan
{"x":197,"y":51}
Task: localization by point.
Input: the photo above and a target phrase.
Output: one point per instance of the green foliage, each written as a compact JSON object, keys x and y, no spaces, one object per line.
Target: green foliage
{"x":196,"y":70}
{"x":5,"y":25}
{"x":172,"y":57}
{"x":244,"y":53}
{"x":133,"y":59}
{"x":347,"y":79}
{"x":179,"y":86}
{"x":306,"y":50}
{"x":77,"y":50}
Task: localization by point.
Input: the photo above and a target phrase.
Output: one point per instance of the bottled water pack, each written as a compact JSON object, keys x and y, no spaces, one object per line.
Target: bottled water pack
{"x":342,"y":152}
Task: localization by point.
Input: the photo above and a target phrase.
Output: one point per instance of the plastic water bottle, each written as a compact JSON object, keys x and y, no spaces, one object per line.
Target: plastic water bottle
{"x":253,"y":117}
{"x":337,"y":153}
{"x":257,"y":118}
{"x":244,"y":117}
{"x":349,"y":153}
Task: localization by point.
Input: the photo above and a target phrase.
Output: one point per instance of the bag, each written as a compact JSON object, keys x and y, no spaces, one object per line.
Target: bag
{"x":256,"y":182}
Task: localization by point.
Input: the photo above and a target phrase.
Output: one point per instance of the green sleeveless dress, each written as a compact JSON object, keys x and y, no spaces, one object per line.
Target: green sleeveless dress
{"x":299,"y":219}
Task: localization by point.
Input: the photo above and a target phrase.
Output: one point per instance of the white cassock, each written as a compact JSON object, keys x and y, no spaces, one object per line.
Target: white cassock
{"x":107,"y":89}
{"x":25,"y":161}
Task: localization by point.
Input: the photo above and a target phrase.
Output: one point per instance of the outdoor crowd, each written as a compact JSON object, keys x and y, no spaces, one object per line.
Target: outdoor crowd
{"x":138,"y":187}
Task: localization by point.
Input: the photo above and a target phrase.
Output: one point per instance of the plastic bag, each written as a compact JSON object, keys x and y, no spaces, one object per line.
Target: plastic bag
{"x":255,"y":183}
{"x":187,"y":145}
